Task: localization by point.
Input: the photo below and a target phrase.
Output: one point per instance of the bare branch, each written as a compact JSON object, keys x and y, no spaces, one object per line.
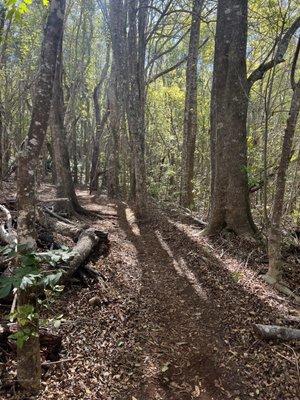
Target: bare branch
{"x":294,"y":65}
{"x":170,"y":69}
{"x":259,"y":72}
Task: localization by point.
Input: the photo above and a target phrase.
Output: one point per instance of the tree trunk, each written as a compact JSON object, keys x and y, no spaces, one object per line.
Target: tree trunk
{"x":274,"y":245}
{"x":100,"y":124}
{"x":29,"y":363}
{"x":94,"y":174}
{"x":64,"y":181}
{"x":230,"y":206}
{"x":129,"y":49}
{"x":113,"y":187}
{"x":137,"y":19}
{"x":190,"y":113}
{"x":2,"y":22}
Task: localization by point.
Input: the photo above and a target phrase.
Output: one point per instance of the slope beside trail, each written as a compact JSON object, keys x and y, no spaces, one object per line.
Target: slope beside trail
{"x":174,"y":321}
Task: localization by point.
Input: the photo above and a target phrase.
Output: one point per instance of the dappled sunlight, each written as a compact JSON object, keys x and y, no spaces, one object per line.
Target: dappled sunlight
{"x":181,"y":268}
{"x":132,"y":222}
{"x":239,"y":270}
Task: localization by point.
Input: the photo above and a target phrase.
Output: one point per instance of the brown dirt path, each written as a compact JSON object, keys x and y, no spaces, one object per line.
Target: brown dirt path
{"x":175,"y":323}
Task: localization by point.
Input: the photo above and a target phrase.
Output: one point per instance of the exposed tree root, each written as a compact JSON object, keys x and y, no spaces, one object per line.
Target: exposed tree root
{"x":280,"y":287}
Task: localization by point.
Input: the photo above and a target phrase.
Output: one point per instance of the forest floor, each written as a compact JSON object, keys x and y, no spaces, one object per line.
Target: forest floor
{"x":175,"y":322}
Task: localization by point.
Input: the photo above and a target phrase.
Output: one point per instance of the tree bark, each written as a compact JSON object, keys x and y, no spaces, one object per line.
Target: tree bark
{"x":2,"y":23}
{"x":190,"y":113}
{"x":230,"y":205}
{"x":273,"y":332}
{"x":274,"y":244}
{"x":129,"y":49}
{"x":113,"y":163}
{"x":137,"y":19}
{"x":64,"y":183}
{"x":87,"y":243}
{"x":29,"y":362}
{"x":100,"y":124}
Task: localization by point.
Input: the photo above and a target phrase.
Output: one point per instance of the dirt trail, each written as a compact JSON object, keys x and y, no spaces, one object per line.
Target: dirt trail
{"x":175,"y":323}
{"x":191,"y":336}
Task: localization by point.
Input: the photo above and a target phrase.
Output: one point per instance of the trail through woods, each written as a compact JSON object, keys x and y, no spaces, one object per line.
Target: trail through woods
{"x":171,"y":320}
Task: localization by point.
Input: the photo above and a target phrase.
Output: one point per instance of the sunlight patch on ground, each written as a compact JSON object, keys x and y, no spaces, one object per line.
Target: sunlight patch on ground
{"x":132,"y":222}
{"x":239,"y":271}
{"x":181,"y":268}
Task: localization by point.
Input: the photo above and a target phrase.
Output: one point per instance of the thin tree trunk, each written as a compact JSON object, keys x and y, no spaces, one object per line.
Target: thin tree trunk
{"x":274,"y":245}
{"x":29,"y":363}
{"x":137,"y":18}
{"x":190,"y":113}
{"x":113,"y":164}
{"x":100,"y":124}
{"x":3,"y":46}
{"x":129,"y":49}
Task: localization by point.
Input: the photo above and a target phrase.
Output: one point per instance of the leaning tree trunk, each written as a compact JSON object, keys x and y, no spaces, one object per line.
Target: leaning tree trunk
{"x":274,"y":245}
{"x":64,"y":181}
{"x":29,"y":363}
{"x":190,"y":113}
{"x":230,"y":206}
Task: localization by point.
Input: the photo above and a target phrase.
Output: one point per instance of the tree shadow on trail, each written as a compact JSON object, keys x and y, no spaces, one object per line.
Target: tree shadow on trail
{"x":195,"y":321}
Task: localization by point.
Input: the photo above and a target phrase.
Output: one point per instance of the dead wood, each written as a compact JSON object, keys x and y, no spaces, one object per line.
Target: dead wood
{"x":89,"y":240}
{"x":57,"y":216}
{"x":274,"y":332}
{"x":63,"y":228}
{"x":7,"y":234}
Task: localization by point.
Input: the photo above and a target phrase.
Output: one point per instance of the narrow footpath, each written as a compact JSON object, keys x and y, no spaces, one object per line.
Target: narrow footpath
{"x":173,"y":320}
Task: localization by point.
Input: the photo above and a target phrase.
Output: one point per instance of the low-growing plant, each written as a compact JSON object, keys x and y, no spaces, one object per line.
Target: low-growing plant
{"x":32,"y":274}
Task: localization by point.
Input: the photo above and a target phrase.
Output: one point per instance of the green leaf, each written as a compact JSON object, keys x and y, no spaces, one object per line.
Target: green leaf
{"x":20,"y":337}
{"x":5,"y":289}
{"x":52,"y":279}
{"x":27,"y":281}
{"x":29,"y":260}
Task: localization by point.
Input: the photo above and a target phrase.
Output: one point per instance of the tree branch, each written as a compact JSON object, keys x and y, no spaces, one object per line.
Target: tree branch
{"x":170,"y":69}
{"x":259,"y":72}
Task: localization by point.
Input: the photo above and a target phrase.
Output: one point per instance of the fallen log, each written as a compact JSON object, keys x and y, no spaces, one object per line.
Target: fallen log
{"x":89,"y":240}
{"x":274,"y":332}
{"x":7,"y":235}
{"x":63,"y":228}
{"x":57,"y":216}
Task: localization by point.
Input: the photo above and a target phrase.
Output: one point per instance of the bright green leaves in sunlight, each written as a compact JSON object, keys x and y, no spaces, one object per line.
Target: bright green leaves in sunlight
{"x":17,"y":8}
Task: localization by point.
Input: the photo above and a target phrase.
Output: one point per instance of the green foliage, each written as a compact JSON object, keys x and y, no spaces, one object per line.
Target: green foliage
{"x":17,"y":8}
{"x":29,"y":274}
{"x":25,"y":316}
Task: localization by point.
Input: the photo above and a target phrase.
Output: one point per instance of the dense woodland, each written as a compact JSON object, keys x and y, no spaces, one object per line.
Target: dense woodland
{"x":137,"y":136}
